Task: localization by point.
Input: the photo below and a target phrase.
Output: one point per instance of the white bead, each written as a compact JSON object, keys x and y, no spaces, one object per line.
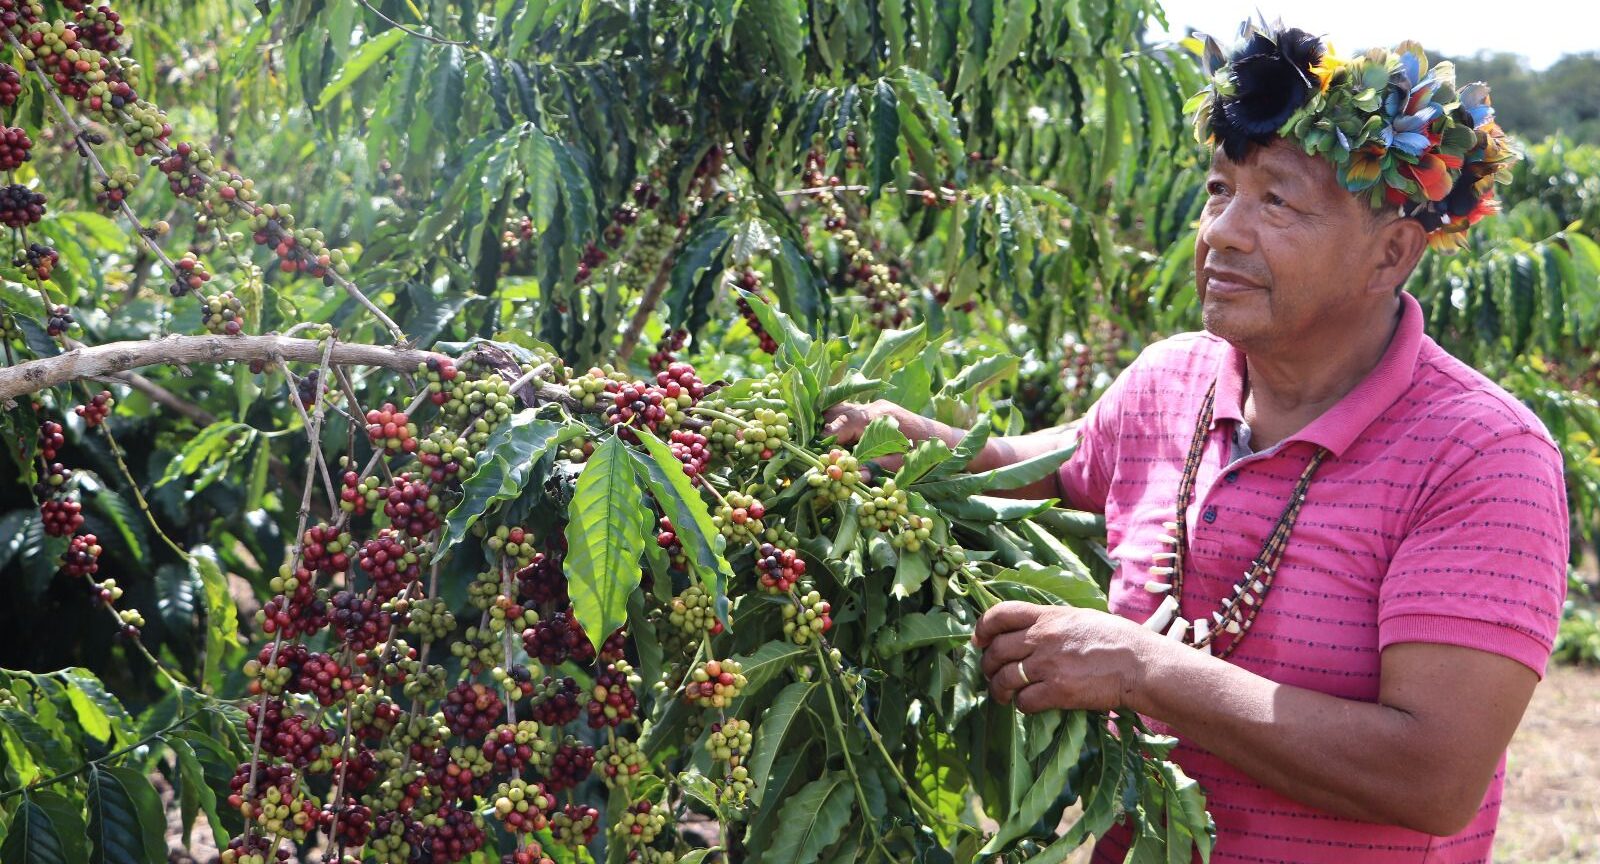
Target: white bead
{"x":1180,"y":627}
{"x":1250,"y":599}
{"x":1237,"y":590}
{"x":1217,"y":617}
{"x":1156,"y":586}
{"x":1258,"y":586}
{"x":1159,"y":618}
{"x":1164,"y":556}
{"x":1202,"y":629}
{"x":1232,"y":626}
{"x":1161,"y":571}
{"x":1169,"y":540}
{"x":1170,"y":526}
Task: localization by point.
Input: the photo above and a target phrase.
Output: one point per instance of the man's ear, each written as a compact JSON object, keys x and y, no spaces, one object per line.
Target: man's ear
{"x":1401,"y":243}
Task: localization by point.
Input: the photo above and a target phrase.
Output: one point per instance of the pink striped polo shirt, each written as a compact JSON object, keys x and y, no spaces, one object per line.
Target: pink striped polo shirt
{"x":1440,"y":516}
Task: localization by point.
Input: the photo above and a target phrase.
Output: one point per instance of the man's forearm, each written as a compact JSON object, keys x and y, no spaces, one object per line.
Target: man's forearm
{"x":1360,"y":760}
{"x":1000,"y":451}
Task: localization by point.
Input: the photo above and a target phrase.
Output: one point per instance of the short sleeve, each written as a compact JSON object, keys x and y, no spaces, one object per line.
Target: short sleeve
{"x":1485,"y":563}
{"x":1086,"y":477}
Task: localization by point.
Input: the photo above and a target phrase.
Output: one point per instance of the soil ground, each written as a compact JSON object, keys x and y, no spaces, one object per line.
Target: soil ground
{"x":1551,"y":810}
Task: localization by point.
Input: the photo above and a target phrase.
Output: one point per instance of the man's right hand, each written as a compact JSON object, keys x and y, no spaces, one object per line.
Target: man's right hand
{"x":846,"y":421}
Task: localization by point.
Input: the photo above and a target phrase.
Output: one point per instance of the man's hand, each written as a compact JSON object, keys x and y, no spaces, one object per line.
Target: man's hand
{"x":1072,"y":658}
{"x":847,"y":420}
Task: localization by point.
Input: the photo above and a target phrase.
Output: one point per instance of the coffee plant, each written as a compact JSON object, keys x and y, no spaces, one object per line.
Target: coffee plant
{"x":423,"y":464}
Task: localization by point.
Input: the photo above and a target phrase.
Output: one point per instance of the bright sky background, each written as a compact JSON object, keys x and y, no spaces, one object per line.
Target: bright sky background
{"x":1540,"y":30}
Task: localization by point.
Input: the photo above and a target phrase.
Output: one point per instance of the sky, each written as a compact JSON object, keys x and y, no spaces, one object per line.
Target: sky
{"x":1540,"y":30}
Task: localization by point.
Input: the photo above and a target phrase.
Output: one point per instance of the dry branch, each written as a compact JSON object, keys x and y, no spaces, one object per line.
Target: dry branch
{"x":108,"y":360}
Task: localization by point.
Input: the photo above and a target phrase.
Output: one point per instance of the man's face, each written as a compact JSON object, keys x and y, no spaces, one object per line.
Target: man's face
{"x":1283,"y":250}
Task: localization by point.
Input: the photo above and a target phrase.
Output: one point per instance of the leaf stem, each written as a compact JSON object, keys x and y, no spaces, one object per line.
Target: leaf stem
{"x":92,"y":763}
{"x":844,"y":749}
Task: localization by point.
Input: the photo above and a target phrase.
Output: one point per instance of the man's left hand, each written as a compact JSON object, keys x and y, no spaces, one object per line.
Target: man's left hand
{"x":1072,"y":658}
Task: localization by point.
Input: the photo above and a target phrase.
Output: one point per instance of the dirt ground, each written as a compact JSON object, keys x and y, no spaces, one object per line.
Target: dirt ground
{"x":1551,"y":810}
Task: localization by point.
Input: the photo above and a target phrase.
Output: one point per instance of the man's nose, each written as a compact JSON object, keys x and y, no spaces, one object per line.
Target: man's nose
{"x":1229,"y":229}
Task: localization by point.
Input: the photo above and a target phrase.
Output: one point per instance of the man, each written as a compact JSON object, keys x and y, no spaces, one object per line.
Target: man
{"x":1341,"y":551}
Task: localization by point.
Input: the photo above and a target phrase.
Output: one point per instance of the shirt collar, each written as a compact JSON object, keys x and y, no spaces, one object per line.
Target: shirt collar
{"x":1340,"y":425}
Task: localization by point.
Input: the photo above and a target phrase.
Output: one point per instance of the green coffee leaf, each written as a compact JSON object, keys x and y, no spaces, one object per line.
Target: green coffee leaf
{"x":126,"y":822}
{"x":662,"y":474}
{"x":763,"y":664}
{"x":606,"y":524}
{"x":503,"y":468}
{"x":780,"y":717}
{"x":923,"y":458}
{"x":358,"y":63}
{"x":983,"y":508}
{"x":1014,"y":476}
{"x":894,"y":349}
{"x":1047,"y":785}
{"x":47,"y":829}
{"x":923,"y":630}
{"x":99,"y":713}
{"x":882,"y":437}
{"x":811,"y":820}
{"x":222,"y":614}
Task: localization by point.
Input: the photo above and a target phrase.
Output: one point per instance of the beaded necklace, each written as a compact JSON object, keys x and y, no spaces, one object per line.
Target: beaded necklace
{"x":1239,"y":609}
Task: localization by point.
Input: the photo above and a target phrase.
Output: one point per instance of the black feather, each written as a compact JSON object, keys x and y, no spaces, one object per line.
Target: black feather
{"x":1271,"y":77}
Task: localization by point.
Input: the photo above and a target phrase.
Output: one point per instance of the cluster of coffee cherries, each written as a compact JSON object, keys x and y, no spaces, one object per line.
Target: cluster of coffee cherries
{"x":729,"y":743}
{"x":640,"y":824}
{"x":833,"y":481}
{"x":60,"y":321}
{"x":389,"y":427}
{"x":440,"y":373}
{"x":591,"y":259}
{"x":97,"y":409}
{"x":114,"y":188}
{"x":192,"y":276}
{"x":515,"y":240}
{"x":692,"y":449}
{"x":10,"y":85}
{"x":620,"y":763}
{"x":667,"y":349}
{"x":59,"y":512}
{"x":750,"y":280}
{"x":652,"y":244}
{"x":738,"y":517}
{"x":15,"y":147}
{"x":667,"y":538}
{"x":808,"y":617}
{"x":223,"y":314}
{"x":523,"y":807}
{"x":613,"y":700}
{"x":885,"y":506}
{"x":20,"y":206}
{"x":886,"y":297}
{"x":39,"y":260}
{"x":778,"y":570}
{"x":714,"y":683}
{"x":694,"y":613}
{"x":914,"y":533}
{"x":82,"y":557}
{"x":766,"y":435}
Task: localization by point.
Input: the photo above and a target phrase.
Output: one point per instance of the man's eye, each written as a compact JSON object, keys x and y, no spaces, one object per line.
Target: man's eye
{"x":1275,"y":201}
{"x":1216,"y":187}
